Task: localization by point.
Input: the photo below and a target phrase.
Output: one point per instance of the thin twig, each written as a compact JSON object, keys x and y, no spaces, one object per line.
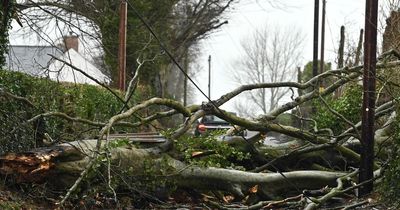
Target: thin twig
{"x":77,"y":119}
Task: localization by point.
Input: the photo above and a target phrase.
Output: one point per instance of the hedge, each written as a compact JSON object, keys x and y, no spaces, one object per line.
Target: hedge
{"x":77,"y":100}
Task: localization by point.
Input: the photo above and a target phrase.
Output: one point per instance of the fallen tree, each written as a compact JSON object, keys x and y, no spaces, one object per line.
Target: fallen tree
{"x":68,"y":161}
{"x":279,"y":172}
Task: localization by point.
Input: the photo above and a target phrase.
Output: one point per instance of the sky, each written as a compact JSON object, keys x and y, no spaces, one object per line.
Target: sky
{"x":248,"y":15}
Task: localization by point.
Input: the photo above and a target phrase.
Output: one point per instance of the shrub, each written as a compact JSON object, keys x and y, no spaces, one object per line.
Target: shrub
{"x":348,"y":105}
{"x":77,"y":100}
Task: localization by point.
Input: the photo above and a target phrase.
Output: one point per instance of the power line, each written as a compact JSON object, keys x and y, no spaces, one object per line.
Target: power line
{"x":175,"y":61}
{"x":190,"y":79}
{"x":169,"y":53}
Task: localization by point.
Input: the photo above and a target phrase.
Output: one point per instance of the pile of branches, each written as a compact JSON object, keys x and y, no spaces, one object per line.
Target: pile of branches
{"x":285,"y":176}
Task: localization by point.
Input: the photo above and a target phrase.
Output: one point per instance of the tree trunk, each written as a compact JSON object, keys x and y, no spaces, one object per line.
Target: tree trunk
{"x":67,"y":161}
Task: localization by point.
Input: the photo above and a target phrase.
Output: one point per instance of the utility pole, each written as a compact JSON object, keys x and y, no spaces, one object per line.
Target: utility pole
{"x":299,"y":90}
{"x":209,"y":76}
{"x":368,"y":108}
{"x":315,"y":43}
{"x":340,"y":64}
{"x":322,"y":62}
{"x":122,"y":45}
{"x":315,"y":49}
{"x":341,"y":48}
{"x":185,"y":79}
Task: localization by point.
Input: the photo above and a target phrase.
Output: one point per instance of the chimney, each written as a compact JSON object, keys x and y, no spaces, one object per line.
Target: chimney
{"x":71,"y":41}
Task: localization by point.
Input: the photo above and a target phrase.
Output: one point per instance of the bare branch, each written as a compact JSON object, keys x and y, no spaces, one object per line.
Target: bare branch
{"x":18,"y":98}
{"x":103,"y":134}
{"x":334,"y":192}
{"x":77,"y":119}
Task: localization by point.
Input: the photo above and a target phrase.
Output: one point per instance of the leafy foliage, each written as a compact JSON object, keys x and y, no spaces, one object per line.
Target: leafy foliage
{"x":307,"y":73}
{"x":137,"y":37}
{"x":76,"y":100}
{"x":131,"y":185}
{"x":284,"y":119}
{"x":16,"y":134}
{"x":348,"y":105}
{"x":221,"y":154}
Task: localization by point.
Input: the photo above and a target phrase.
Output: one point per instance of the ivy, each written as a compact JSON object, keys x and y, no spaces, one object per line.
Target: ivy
{"x":6,"y":12}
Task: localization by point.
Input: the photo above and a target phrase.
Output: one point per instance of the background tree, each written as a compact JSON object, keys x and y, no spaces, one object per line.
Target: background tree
{"x":6,"y":13}
{"x":269,"y":55}
{"x":306,"y":74}
{"x":180,"y":24}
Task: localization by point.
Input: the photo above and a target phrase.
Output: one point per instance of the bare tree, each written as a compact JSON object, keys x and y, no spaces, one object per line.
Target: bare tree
{"x":269,"y":55}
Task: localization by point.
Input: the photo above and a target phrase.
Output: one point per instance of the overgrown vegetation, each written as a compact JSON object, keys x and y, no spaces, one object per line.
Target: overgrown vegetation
{"x":108,"y":24}
{"x":76,"y":100}
{"x":210,"y":150}
{"x":348,"y":105}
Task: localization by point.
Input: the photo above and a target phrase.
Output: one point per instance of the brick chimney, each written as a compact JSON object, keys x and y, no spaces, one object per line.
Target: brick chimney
{"x":71,"y":41}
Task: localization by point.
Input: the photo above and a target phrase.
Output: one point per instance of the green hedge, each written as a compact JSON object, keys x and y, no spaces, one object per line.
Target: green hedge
{"x":77,"y":100}
{"x":348,"y":105}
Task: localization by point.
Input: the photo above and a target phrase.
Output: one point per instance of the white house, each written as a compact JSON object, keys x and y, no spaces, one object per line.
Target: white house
{"x":38,"y":61}
{"x":60,"y":71}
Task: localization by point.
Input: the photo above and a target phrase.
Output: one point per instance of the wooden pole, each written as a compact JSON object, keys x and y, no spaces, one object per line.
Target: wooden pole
{"x":209,"y":76}
{"x":315,"y":43}
{"x":315,"y":49}
{"x":340,"y":64}
{"x":299,"y":80}
{"x":359,"y":48}
{"x":185,"y":79}
{"x":341,"y":48}
{"x":122,"y":45}
{"x":368,"y":108}
{"x":322,"y":62}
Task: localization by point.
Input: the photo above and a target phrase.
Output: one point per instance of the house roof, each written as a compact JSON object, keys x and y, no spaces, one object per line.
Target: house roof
{"x":36,"y":60}
{"x":30,"y":59}
{"x":59,"y":71}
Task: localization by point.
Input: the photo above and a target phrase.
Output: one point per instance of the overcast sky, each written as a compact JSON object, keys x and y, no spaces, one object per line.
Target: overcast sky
{"x":224,"y":46}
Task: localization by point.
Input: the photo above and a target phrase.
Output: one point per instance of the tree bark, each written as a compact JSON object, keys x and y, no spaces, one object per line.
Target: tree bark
{"x":67,"y":161}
